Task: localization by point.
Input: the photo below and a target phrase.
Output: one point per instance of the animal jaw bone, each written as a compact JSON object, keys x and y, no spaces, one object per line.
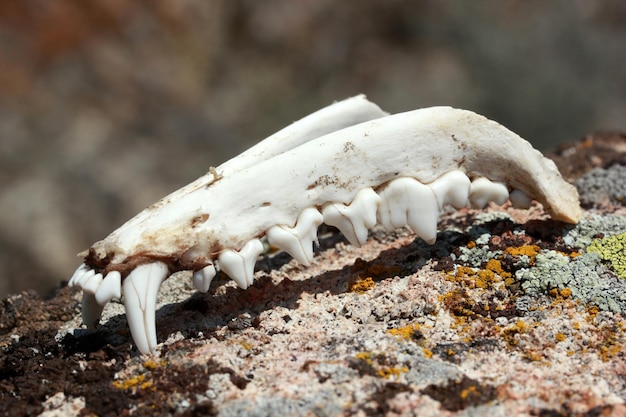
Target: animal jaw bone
{"x":394,"y":170}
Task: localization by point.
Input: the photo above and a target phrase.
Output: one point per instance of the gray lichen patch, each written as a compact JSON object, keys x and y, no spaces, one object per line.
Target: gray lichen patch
{"x":601,"y":186}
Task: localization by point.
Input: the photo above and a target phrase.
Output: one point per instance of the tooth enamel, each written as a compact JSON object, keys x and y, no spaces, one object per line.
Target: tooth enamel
{"x":483,"y":190}
{"x":406,"y":201}
{"x":110,"y":288}
{"x":140,"y":289}
{"x":202,"y":278}
{"x":91,"y":285}
{"x":452,"y":188}
{"x":91,"y":310}
{"x":354,"y":220}
{"x":240,"y":265}
{"x":298,"y":241}
{"x":520,"y":200}
{"x":79,"y":273}
{"x":83,"y":278}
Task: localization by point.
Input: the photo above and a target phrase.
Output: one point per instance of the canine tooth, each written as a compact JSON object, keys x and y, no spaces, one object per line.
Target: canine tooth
{"x":91,"y":310}
{"x":110,"y":288}
{"x":483,"y":190}
{"x":140,"y":289}
{"x":406,"y":201}
{"x":355,"y":219}
{"x":202,"y":278}
{"x":452,"y":188}
{"x":298,"y":241}
{"x":240,"y":265}
{"x":82,"y":269}
{"x":91,"y":285}
{"x":519,"y":199}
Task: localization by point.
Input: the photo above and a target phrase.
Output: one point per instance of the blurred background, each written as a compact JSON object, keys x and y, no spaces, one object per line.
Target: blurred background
{"x":108,"y":105}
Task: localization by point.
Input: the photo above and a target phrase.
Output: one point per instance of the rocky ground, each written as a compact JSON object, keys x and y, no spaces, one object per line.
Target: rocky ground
{"x":509,"y":313}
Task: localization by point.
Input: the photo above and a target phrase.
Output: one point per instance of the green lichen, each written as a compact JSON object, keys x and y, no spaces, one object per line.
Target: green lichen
{"x":584,"y":276}
{"x":613,"y":250}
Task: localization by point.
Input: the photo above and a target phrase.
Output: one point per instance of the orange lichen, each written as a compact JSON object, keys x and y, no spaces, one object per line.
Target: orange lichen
{"x":405,"y":332}
{"x":138,"y":381}
{"x":362,"y":285}
{"x":151,"y":364}
{"x":525,"y":250}
{"x":560,"y":337}
{"x":427,"y":353}
{"x":388,"y":372}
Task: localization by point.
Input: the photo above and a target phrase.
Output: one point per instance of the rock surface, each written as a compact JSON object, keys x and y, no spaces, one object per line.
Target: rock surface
{"x":509,"y":313}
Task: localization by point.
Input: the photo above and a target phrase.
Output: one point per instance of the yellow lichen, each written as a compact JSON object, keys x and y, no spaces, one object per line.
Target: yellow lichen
{"x":133,"y":382}
{"x":525,"y":250}
{"x":560,"y":337}
{"x":388,"y":372}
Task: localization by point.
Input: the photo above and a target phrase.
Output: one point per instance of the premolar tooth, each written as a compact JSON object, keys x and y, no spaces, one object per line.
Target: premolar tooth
{"x":91,"y":310}
{"x":140,"y":289}
{"x":110,"y":288}
{"x":483,"y":190}
{"x":452,"y":188}
{"x":520,"y":200}
{"x":355,"y":219}
{"x":80,"y":271}
{"x":298,"y":241}
{"x":202,"y":278}
{"x":91,"y":285}
{"x":406,"y":201}
{"x":240,"y":265}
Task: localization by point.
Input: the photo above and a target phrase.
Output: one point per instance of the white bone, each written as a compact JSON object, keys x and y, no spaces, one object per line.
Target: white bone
{"x":519,"y":199}
{"x":275,"y":183}
{"x":91,"y":285}
{"x":355,"y":219}
{"x":482,"y":191}
{"x":298,"y":241}
{"x":110,"y":288}
{"x":406,"y":201}
{"x":140,"y":289}
{"x":239,"y":265}
{"x":202,"y":278}
{"x":452,"y":188}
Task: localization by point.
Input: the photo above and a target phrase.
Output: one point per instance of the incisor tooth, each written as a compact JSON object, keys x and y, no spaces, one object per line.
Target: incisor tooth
{"x":355,"y":219}
{"x":298,"y":241}
{"x":452,"y":188}
{"x":110,"y":288}
{"x":483,"y":190}
{"x":519,"y":199}
{"x":140,"y":289}
{"x":91,"y":285}
{"x":82,"y":269}
{"x":406,"y":201}
{"x":239,"y":265}
{"x":202,"y":278}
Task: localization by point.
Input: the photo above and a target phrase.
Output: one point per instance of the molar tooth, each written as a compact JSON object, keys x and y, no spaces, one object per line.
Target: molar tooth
{"x":111,"y":287}
{"x":298,"y":241}
{"x":354,"y":220}
{"x":483,"y":190}
{"x":202,"y":278}
{"x":520,"y":200}
{"x":140,"y":289}
{"x":91,"y":310}
{"x":406,"y":201}
{"x":452,"y":188}
{"x":240,"y":265}
{"x":91,"y":285}
{"x":82,"y":269}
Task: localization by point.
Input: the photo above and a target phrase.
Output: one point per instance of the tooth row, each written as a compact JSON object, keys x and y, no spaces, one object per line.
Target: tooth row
{"x":403,"y":201}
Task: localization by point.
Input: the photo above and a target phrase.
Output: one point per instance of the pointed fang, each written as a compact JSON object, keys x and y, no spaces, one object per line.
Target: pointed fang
{"x":140,"y":289}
